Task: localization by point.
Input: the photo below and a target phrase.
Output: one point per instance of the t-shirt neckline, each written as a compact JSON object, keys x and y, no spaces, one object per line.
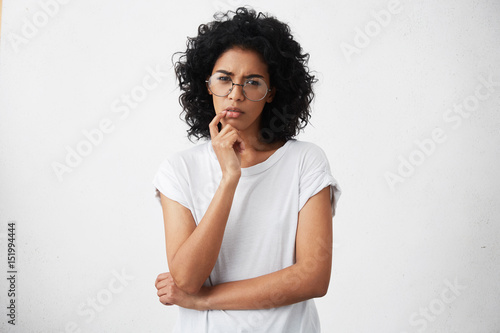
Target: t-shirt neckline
{"x":259,"y":167}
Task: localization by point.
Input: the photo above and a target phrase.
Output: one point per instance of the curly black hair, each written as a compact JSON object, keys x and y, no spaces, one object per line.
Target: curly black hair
{"x":288,"y":113}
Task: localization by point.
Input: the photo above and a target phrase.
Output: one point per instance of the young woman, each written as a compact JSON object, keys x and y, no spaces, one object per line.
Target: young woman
{"x":248,"y":213}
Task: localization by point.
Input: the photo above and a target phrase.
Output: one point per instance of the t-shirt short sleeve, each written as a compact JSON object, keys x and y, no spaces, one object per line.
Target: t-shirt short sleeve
{"x":169,"y":183}
{"x":315,"y":176}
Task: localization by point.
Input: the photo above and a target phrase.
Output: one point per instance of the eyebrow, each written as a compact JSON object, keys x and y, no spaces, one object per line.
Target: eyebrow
{"x":231,"y":74}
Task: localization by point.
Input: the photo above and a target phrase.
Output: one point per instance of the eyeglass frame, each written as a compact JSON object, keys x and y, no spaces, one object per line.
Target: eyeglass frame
{"x":268,"y":90}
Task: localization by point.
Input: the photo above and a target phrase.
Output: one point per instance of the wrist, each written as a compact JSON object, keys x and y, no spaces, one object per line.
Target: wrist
{"x":230,"y":180}
{"x":203,"y":299}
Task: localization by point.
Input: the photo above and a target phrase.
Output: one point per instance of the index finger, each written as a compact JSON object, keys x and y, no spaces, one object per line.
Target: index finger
{"x":213,"y":124}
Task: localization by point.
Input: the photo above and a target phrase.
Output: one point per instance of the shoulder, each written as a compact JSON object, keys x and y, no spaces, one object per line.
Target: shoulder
{"x":187,"y":155}
{"x":186,"y":159}
{"x":308,"y":156}
{"x":306,"y":149}
{"x":303,"y":145}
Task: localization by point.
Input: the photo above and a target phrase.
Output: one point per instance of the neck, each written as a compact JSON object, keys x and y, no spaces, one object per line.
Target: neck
{"x":252,"y":142}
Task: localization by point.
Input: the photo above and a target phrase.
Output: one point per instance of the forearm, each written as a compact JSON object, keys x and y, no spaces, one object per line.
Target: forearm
{"x":194,"y":260}
{"x":308,"y":278}
{"x":288,"y":286}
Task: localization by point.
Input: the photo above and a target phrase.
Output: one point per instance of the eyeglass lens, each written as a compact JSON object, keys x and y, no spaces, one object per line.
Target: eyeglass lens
{"x":254,"y":89}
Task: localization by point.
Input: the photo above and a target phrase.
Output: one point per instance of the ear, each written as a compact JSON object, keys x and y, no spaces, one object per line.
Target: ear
{"x":270,"y":96}
{"x":206,"y":84}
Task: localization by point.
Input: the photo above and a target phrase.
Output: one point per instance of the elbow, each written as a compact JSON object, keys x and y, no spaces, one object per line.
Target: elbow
{"x":320,"y":288}
{"x":187,"y":285}
{"x":315,"y":284}
{"x":320,"y":292}
{"x":183,"y":278}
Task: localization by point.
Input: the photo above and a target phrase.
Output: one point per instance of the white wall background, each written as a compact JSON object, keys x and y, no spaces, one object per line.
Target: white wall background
{"x":419,"y":256}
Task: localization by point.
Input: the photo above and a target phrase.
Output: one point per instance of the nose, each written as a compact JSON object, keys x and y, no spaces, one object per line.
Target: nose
{"x":236,"y":92}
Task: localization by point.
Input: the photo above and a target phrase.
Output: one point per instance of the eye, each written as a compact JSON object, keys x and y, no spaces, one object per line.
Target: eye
{"x":223,"y":78}
{"x":255,"y":83}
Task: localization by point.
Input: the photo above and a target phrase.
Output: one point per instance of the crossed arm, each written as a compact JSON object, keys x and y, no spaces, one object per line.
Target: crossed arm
{"x":192,"y":251}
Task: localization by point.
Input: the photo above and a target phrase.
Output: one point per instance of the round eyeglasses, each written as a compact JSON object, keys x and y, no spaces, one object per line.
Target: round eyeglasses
{"x":255,"y":89}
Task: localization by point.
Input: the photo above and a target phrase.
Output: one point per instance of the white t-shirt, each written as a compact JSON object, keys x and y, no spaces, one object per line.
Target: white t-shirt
{"x":260,"y":233}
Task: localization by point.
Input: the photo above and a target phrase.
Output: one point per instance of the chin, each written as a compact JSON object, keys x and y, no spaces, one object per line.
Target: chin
{"x":236,"y":123}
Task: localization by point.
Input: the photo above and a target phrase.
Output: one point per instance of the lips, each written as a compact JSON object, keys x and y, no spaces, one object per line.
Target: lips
{"x":232,"y":112}
{"x":232,"y":109}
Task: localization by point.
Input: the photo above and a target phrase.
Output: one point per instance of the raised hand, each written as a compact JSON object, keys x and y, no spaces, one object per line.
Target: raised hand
{"x":228,"y":146}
